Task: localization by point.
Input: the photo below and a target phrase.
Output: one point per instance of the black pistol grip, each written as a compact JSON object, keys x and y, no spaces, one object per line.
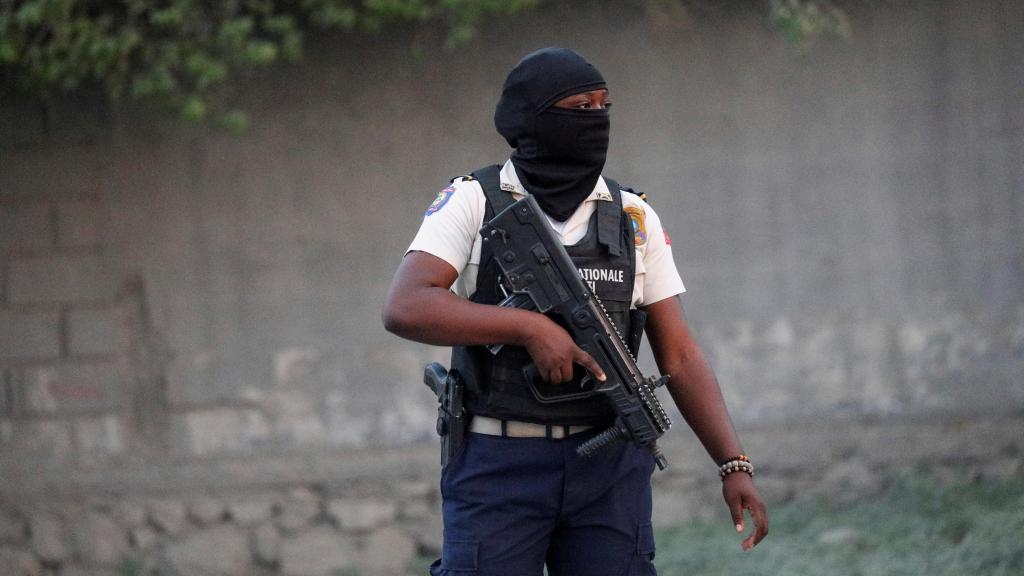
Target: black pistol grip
{"x":434,"y":376}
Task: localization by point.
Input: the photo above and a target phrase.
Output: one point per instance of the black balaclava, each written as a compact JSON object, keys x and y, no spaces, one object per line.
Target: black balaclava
{"x":559,"y":153}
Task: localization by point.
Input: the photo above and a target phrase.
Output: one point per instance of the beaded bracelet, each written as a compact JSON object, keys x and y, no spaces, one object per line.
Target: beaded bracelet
{"x":738,"y":464}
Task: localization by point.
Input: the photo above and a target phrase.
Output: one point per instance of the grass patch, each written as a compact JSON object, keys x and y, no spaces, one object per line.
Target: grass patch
{"x":916,"y":527}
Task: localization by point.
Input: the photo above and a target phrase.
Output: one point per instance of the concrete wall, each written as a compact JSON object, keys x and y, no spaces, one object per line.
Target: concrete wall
{"x":847,"y":221}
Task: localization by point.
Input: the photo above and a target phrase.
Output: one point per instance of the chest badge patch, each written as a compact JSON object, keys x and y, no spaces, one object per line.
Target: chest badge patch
{"x":636,"y":215}
{"x":442,"y":198}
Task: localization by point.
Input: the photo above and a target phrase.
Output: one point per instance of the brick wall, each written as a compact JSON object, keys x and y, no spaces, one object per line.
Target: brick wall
{"x":61,"y":382}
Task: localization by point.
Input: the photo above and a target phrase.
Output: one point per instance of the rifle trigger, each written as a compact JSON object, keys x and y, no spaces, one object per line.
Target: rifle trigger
{"x":587,"y":379}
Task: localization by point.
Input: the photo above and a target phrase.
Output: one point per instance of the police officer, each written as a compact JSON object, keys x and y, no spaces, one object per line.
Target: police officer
{"x":518,"y":497}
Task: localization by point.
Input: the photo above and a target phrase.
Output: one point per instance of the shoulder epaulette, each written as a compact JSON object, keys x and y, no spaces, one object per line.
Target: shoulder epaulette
{"x":641,"y":195}
{"x":463,"y":178}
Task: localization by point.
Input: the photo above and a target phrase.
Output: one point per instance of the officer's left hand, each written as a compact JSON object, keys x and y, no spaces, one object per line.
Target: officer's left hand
{"x":740,"y":494}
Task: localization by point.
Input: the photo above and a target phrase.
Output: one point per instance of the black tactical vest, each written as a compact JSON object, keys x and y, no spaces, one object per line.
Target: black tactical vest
{"x":496,"y":383}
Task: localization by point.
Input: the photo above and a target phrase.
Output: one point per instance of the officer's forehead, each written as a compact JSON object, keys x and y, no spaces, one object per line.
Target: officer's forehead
{"x":590,"y":91}
{"x":586,"y":93}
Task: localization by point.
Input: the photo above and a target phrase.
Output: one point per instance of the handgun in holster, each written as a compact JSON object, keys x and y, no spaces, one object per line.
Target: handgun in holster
{"x":452,"y":419}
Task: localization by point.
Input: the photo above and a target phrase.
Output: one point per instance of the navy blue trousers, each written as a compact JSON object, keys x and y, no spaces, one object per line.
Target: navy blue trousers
{"x":513,"y":505}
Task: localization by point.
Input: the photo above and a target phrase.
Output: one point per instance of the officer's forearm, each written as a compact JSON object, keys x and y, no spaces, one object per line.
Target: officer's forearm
{"x":696,"y":393}
{"x":438,"y":317}
{"x":419,"y":306}
{"x":692,"y":385}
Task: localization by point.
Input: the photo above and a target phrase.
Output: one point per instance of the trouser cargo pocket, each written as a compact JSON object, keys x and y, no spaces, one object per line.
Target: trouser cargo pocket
{"x":458,"y":557}
{"x":643,"y":563}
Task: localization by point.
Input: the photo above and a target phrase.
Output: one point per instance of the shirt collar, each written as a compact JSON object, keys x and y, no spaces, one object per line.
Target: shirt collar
{"x":510,"y":183}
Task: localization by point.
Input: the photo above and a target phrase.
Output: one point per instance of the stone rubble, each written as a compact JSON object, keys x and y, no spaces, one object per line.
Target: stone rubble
{"x":49,"y":538}
{"x":143,"y":537}
{"x":266,"y":545}
{"x":388,"y":551}
{"x":320,"y":551}
{"x":205,"y":511}
{"x":213,"y":551}
{"x":168,"y":516}
{"x":251,"y":510}
{"x":298,"y":510}
{"x":284,"y":532}
{"x":360,"y":515}
{"x":100,"y":540}
{"x":130,"y":513}
{"x":388,"y":529}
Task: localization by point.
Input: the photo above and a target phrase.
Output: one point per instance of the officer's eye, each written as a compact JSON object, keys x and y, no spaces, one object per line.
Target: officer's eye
{"x":588,"y":105}
{"x":587,"y":101}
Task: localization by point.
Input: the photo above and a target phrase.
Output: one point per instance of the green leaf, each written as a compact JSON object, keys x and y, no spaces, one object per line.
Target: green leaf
{"x":235,"y":31}
{"x":260,"y":52}
{"x":460,"y":34}
{"x":194,"y":109}
{"x":205,"y":70}
{"x":30,"y":14}
{"x":8,"y":52}
{"x":234,"y":121}
{"x":153,"y":82}
{"x":333,"y":16}
{"x":168,"y":17}
{"x":291,"y":46}
{"x":281,"y":24}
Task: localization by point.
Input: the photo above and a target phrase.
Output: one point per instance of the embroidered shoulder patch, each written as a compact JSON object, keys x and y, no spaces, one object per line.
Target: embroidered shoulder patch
{"x":636,"y":215}
{"x":668,"y":241}
{"x":442,"y":198}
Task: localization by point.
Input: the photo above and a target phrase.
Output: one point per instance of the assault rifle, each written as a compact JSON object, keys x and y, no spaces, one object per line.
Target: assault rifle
{"x":540,"y":276}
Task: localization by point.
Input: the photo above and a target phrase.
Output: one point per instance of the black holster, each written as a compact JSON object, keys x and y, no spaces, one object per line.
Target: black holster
{"x":452,"y":419}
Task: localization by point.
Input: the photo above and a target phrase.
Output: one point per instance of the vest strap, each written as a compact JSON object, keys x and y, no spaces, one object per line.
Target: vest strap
{"x":490,"y":180}
{"x":609,"y":218}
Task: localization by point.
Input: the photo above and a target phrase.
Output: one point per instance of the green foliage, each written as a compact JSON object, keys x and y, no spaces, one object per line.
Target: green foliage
{"x":184,"y":54}
{"x":802,"y":22}
{"x":915,"y":527}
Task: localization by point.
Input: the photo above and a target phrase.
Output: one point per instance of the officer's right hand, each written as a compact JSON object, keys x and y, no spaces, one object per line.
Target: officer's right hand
{"x":554,"y":352}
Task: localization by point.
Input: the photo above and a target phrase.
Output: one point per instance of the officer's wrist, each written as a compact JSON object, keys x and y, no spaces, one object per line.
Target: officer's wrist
{"x":526,"y":326}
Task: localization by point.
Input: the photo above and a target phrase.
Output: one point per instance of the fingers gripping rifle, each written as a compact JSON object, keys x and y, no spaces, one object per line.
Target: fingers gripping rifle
{"x":542,"y":277}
